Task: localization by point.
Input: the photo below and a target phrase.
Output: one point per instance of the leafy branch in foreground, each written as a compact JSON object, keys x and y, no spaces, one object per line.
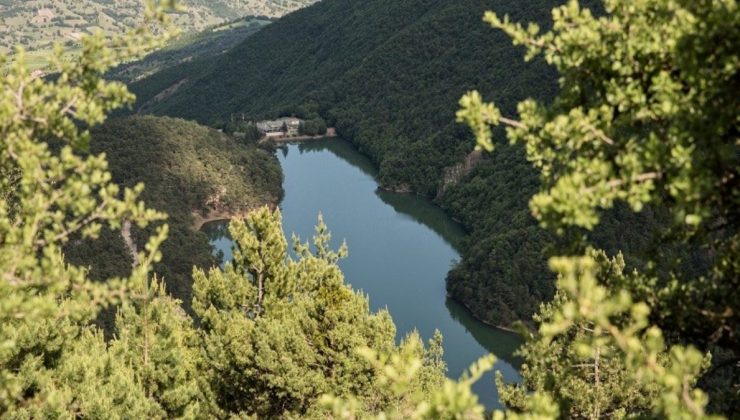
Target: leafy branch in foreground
{"x":398,"y":373}
{"x":646,"y":114}
{"x":49,"y":195}
{"x":597,"y":353}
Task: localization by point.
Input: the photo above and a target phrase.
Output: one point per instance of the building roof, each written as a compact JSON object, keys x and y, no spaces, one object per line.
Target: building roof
{"x":277,"y":125}
{"x":47,"y":13}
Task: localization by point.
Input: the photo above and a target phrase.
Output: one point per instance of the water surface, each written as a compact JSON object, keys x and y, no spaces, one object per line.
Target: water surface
{"x":400,"y":249}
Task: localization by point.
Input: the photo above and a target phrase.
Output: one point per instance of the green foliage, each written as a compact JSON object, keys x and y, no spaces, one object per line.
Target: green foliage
{"x":245,"y":131}
{"x":597,"y":353}
{"x":394,"y":103}
{"x":391,"y":100}
{"x":23,"y":25}
{"x":156,"y":338}
{"x":168,"y":68}
{"x":398,"y":373}
{"x":314,"y":127}
{"x":203,"y":45}
{"x":646,"y":116}
{"x":306,"y":323}
{"x":49,"y":195}
{"x":281,"y":332}
{"x":287,"y":328}
{"x":503,"y":274}
{"x":279,"y":335}
{"x":632,"y":166}
{"x":191,"y":172}
{"x":592,"y":378}
{"x":636,"y":150}
{"x":86,"y":381}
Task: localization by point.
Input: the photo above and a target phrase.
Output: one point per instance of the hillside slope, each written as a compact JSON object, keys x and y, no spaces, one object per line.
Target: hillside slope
{"x":388,"y":75}
{"x":188,"y":171}
{"x":36,"y":24}
{"x":199,"y":46}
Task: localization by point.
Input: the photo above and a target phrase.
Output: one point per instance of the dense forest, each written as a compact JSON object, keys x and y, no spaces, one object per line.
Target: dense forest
{"x":644,"y":122}
{"x":394,"y":98}
{"x":189,"y":171}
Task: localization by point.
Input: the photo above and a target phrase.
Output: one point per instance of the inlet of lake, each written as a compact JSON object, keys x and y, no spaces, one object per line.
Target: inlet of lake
{"x":401,"y":247}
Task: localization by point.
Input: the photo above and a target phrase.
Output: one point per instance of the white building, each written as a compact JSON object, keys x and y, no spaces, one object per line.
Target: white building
{"x":289,"y":126}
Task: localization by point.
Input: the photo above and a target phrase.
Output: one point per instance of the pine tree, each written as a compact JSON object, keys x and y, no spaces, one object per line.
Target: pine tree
{"x":586,"y":384}
{"x":281,"y":332}
{"x":51,"y":362}
{"x":647,"y":114}
{"x":86,"y":381}
{"x":157,"y":339}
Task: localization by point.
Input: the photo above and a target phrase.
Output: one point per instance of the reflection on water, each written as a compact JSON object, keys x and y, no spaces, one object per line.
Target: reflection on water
{"x":503,"y":343}
{"x":401,"y":247}
{"x":218,"y":236}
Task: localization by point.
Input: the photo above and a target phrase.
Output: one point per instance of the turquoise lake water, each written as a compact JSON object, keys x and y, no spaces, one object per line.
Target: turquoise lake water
{"x":400,"y":249}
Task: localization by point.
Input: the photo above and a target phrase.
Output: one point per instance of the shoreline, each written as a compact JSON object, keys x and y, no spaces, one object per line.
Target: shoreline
{"x":199,"y":220}
{"x":216,"y":216}
{"x":472,"y":314}
{"x":406,"y":189}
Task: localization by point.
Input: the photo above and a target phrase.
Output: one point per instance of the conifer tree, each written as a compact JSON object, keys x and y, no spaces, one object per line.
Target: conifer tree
{"x":586,"y":385}
{"x":87,"y":381}
{"x":52,"y":363}
{"x":156,"y":338}
{"x":647,"y":114}
{"x":280,"y":332}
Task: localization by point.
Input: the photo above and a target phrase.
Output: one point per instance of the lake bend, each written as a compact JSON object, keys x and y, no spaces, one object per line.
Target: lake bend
{"x":401,"y":247}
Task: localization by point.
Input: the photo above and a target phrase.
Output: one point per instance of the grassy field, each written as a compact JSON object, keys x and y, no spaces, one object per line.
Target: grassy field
{"x":37,"y":25}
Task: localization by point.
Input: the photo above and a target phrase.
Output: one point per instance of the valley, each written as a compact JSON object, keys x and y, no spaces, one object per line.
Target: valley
{"x":396,"y":104}
{"x":344,"y":209}
{"x":400,"y":249}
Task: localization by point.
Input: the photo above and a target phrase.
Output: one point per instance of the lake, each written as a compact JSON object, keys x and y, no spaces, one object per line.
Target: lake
{"x":401,"y":247}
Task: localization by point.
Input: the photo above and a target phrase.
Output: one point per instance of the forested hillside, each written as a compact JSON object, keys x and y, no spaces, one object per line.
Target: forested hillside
{"x":189,"y":171}
{"x":642,"y":134}
{"x":200,"y":46}
{"x":394,"y":97}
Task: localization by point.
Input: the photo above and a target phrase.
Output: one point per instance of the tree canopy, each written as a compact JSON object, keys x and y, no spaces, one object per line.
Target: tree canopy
{"x":646,"y":115}
{"x":48,"y":195}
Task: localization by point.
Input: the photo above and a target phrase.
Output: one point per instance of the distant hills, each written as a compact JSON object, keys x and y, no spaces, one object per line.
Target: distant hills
{"x":193,"y":47}
{"x":37,"y":24}
{"x":387,"y":73}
